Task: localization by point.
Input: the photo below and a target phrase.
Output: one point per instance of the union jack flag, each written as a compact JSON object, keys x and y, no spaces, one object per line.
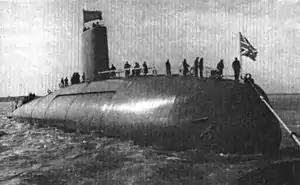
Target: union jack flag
{"x":246,"y":48}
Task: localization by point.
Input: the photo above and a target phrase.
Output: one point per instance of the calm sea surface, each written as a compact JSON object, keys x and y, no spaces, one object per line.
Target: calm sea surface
{"x":33,"y":155}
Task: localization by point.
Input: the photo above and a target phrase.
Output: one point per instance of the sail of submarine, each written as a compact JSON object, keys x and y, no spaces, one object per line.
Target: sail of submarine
{"x":171,"y":112}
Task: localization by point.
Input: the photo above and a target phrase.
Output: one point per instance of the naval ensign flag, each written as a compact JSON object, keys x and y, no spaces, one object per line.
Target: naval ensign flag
{"x":91,"y":15}
{"x":246,"y":49}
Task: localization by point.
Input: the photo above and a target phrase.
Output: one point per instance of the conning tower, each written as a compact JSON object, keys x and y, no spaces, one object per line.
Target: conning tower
{"x":94,"y":52}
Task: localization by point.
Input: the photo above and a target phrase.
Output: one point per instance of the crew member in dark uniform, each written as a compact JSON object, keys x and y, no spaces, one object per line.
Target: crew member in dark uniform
{"x":113,"y":73}
{"x":136,"y":71}
{"x":201,"y":67}
{"x":75,"y":79}
{"x":127,"y":67}
{"x":145,"y":68}
{"x":62,"y":82}
{"x":220,"y":67}
{"x":236,"y":68}
{"x":66,"y":81}
{"x":185,"y":67}
{"x":168,"y":68}
{"x":196,"y":66}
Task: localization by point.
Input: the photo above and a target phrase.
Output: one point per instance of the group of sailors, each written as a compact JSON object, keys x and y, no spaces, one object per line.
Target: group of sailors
{"x":137,"y":71}
{"x":194,"y":70}
{"x":94,"y":25}
{"x":18,"y":103}
{"x":186,"y":70}
{"x":219,"y":70}
{"x":75,"y":79}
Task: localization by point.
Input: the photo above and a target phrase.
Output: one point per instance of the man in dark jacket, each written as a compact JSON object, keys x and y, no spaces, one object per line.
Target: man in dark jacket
{"x":168,"y":68}
{"x":127,"y":67}
{"x":113,"y":73}
{"x":66,"y":82}
{"x":196,"y":66}
{"x":201,"y":67}
{"x":220,"y":67}
{"x":145,"y":68}
{"x":62,"y":83}
{"x":236,"y":68}
{"x":185,"y":67}
{"x":136,"y":71}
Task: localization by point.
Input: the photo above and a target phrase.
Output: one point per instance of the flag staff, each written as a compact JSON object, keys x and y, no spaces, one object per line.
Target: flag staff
{"x":79,"y":31}
{"x":83,"y":19}
{"x":240,"y":52}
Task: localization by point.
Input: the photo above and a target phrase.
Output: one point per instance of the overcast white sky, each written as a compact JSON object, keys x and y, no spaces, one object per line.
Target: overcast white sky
{"x":39,"y":38}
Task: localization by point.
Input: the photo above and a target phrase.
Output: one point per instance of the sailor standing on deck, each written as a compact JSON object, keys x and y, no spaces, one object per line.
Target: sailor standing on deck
{"x":185,"y":67}
{"x":136,"y":71}
{"x":66,"y":82}
{"x":168,"y":68}
{"x":220,"y":67}
{"x":113,"y":73}
{"x":236,"y":68}
{"x":201,"y":67}
{"x":127,"y":67}
{"x":62,"y":83}
{"x":145,"y":68}
{"x":196,"y":65}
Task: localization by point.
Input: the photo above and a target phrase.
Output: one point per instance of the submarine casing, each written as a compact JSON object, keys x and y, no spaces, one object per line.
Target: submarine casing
{"x":165,"y":111}
{"x":171,"y":112}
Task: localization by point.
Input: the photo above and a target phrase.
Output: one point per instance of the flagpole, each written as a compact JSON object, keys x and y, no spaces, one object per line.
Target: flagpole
{"x":240,"y":52}
{"x":81,"y":31}
{"x":79,"y":37}
{"x":82,"y":19}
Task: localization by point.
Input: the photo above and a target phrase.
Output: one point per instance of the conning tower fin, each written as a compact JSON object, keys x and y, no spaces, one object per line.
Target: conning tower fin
{"x":94,"y":50}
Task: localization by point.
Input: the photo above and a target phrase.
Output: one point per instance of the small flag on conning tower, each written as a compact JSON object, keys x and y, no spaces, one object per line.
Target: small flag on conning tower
{"x":91,"y":15}
{"x":246,"y":48}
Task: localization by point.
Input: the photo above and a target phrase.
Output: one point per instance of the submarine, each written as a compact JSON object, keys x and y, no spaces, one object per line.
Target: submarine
{"x":170,"y":112}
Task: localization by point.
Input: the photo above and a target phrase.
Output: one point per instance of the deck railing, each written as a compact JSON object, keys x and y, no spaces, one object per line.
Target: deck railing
{"x":153,"y":71}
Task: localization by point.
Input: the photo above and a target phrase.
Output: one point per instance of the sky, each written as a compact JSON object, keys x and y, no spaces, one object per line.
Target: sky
{"x":40,"y":39}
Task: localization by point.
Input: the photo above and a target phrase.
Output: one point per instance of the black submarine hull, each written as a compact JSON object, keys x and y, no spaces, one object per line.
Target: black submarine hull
{"x":170,"y":112}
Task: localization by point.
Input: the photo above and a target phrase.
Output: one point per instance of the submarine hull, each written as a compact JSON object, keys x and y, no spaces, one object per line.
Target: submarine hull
{"x":170,"y":112}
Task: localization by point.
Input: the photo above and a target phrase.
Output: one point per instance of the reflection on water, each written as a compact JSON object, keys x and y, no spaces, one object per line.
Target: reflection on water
{"x":32,"y":155}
